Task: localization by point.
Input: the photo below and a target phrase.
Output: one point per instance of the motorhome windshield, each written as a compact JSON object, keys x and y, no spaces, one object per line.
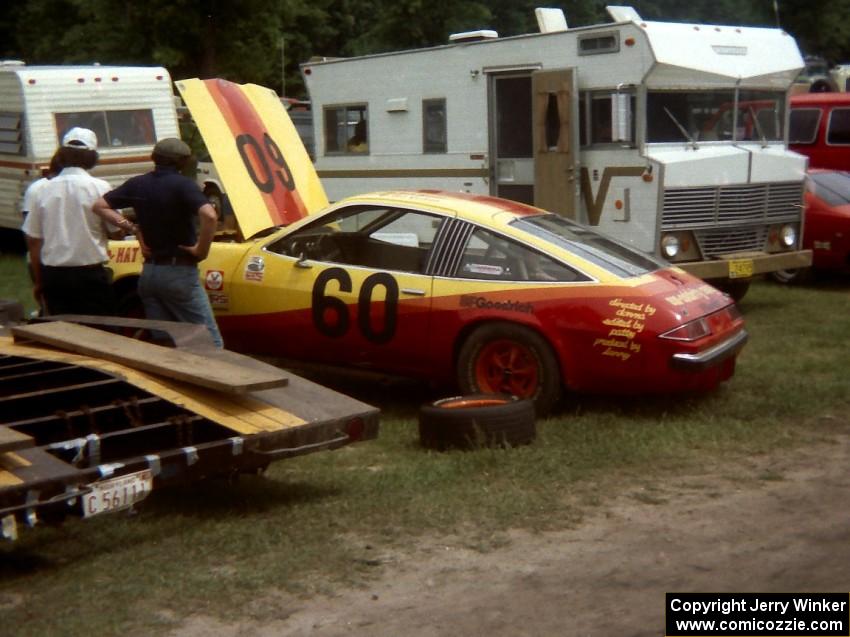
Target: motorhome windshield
{"x":615,"y":257}
{"x":705,"y":116}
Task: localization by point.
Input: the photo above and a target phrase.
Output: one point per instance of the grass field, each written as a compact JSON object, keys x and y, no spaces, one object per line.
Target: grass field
{"x":322,"y":521}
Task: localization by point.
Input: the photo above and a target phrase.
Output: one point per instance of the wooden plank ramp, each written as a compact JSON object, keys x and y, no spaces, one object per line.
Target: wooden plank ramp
{"x":182,"y":365}
{"x":10,"y":440}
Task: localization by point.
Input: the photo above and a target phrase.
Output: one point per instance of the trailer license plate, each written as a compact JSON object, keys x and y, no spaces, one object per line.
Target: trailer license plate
{"x":117,"y":493}
{"x":740,"y":268}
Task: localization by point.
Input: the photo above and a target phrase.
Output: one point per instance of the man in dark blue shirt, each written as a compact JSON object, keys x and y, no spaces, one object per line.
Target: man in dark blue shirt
{"x":167,"y":205}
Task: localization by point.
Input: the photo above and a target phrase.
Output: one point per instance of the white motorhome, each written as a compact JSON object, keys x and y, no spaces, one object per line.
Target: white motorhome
{"x":129,"y":108}
{"x":671,"y":137}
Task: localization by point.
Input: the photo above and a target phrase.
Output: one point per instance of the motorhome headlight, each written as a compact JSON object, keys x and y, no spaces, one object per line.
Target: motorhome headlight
{"x":670,"y":246}
{"x":788,"y":236}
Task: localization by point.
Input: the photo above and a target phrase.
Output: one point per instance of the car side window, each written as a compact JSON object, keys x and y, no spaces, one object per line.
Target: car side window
{"x":491,"y":257}
{"x":379,"y":237}
{"x":839,"y":127}
{"x":803,"y":128}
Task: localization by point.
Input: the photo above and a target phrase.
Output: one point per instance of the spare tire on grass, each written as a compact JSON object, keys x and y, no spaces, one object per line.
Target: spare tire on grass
{"x":477,"y":420}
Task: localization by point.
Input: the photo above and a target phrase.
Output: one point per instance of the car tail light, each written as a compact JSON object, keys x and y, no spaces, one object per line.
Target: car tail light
{"x":692,"y":331}
{"x":705,"y":326}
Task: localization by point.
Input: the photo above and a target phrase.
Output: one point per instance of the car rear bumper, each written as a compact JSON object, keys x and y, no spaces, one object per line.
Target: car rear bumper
{"x":698,"y":361}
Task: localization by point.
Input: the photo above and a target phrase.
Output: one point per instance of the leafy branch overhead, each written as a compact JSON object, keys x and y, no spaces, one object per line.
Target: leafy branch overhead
{"x":264,"y":41}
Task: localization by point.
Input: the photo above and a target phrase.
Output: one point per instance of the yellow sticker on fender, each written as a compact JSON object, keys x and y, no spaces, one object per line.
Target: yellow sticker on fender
{"x":740,"y":268}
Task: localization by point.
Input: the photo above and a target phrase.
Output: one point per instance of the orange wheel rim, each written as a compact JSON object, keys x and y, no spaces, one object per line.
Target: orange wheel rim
{"x":507,"y":367}
{"x":467,"y":403}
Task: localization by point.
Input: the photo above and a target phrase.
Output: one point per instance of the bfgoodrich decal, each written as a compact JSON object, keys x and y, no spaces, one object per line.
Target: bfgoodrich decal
{"x":483,"y":303}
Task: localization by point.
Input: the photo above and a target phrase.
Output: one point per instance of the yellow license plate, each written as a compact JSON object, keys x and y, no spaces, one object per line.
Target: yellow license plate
{"x":740,"y":268}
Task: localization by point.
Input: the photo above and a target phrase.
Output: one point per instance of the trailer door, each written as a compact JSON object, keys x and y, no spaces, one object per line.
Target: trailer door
{"x":554,"y":106}
{"x":512,"y":160}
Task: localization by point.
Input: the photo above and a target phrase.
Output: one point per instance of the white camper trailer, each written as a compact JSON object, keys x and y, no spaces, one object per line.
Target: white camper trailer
{"x":671,"y":137}
{"x":129,"y":108}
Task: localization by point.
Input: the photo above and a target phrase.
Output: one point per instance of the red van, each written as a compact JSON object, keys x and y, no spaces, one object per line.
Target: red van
{"x":820,"y":129}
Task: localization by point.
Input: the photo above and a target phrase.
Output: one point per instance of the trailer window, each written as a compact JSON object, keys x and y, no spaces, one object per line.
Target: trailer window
{"x":11,"y":134}
{"x":803,"y":126}
{"x":434,"y":126}
{"x":114,"y":129}
{"x":839,"y":127}
{"x":346,"y":129}
{"x":600,"y":123}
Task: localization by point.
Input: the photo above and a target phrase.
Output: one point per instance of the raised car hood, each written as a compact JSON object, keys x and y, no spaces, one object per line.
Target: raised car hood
{"x":257,"y":152}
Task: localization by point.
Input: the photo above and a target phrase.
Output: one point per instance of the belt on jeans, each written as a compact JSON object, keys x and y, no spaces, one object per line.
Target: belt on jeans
{"x":175,"y":260}
{"x":92,"y":266}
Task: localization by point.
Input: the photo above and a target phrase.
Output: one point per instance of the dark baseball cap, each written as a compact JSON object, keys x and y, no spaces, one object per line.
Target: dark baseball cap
{"x":172,"y":147}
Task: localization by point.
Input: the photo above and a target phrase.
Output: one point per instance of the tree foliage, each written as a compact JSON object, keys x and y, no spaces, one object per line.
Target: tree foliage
{"x":264,"y":41}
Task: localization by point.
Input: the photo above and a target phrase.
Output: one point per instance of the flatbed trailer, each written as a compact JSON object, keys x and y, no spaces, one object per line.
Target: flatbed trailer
{"x":82,"y":435}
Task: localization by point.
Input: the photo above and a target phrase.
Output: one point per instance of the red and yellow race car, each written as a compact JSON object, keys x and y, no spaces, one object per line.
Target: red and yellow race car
{"x":484,"y":293}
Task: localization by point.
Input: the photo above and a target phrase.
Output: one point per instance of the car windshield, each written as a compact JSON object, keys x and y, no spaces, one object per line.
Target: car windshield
{"x":832,"y":187}
{"x":697,"y":116}
{"x":616,"y":258}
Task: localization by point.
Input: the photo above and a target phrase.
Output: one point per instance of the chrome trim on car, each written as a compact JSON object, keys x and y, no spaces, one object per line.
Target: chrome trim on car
{"x":711,"y":356}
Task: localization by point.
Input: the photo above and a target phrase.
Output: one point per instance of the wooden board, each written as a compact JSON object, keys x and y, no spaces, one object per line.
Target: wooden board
{"x":189,"y":367}
{"x":11,"y":440}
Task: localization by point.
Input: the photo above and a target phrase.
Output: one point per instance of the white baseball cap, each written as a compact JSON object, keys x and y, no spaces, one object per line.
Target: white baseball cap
{"x":80,"y":138}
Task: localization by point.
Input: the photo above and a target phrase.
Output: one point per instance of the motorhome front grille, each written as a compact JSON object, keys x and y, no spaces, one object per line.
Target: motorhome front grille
{"x":717,"y":242}
{"x":727,"y":205}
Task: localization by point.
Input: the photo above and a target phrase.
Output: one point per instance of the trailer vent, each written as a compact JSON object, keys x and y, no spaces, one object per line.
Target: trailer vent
{"x":726,"y":205}
{"x":473,"y":36}
{"x":599,"y":43}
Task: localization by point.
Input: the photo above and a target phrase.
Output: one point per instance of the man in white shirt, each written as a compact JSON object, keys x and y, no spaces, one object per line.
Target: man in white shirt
{"x":66,"y":239}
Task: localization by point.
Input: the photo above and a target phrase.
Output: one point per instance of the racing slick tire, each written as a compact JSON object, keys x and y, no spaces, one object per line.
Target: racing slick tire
{"x":503,"y":358}
{"x":475,"y":421}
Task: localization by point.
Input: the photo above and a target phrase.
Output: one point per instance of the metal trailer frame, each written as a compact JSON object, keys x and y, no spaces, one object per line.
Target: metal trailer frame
{"x":84,"y":421}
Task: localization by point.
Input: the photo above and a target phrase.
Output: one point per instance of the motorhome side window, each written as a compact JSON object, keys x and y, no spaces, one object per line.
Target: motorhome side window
{"x":113,"y":128}
{"x":11,"y":134}
{"x":803,"y":125}
{"x":714,"y":115}
{"x":839,"y":127}
{"x":434,"y":126}
{"x":607,"y":117}
{"x":346,"y":129}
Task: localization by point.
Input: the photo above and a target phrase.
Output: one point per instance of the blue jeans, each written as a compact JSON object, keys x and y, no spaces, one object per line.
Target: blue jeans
{"x":174,"y":293}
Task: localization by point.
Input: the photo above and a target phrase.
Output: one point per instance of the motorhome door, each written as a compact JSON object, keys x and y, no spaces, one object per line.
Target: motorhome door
{"x":512,"y":149}
{"x":554,"y":105}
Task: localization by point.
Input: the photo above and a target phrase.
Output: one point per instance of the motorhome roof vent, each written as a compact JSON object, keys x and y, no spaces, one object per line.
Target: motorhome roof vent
{"x":550,"y":20}
{"x":13,"y":63}
{"x":623,"y":14}
{"x":473,"y":36}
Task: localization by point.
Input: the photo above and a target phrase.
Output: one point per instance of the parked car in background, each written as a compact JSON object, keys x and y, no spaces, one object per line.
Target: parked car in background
{"x":827,"y":231}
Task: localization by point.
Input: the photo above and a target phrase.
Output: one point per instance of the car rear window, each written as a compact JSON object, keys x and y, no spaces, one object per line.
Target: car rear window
{"x":832,"y":187}
{"x":618,"y":259}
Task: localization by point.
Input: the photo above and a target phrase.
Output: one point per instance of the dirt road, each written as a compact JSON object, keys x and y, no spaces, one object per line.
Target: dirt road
{"x":772,"y":524}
